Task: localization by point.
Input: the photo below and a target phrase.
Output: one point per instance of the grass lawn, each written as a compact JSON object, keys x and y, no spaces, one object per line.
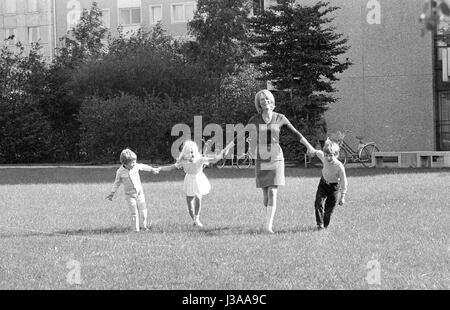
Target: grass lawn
{"x":395,"y":221}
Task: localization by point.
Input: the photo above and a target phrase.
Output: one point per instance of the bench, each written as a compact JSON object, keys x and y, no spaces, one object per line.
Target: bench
{"x":411,"y":159}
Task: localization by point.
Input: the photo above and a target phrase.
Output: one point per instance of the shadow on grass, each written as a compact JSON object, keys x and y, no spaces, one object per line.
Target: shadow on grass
{"x":95,"y":231}
{"x":164,"y":229}
{"x":59,"y":175}
{"x":299,"y":229}
{"x":77,"y":232}
{"x":234,"y":230}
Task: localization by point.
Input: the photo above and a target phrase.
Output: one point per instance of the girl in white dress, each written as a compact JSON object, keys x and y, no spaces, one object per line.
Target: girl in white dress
{"x":196,"y":184}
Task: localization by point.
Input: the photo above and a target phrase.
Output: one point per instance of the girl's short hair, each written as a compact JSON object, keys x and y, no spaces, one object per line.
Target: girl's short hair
{"x":331,"y":147}
{"x":187,"y":147}
{"x":267,"y":94}
{"x":127,"y":156}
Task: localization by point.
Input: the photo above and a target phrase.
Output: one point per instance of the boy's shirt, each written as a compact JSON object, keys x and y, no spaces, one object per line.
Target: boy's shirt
{"x":333,"y":172}
{"x":130,"y":179}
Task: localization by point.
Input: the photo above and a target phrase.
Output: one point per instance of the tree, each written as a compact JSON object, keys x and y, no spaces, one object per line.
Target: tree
{"x":24,"y":129}
{"x":433,"y":12}
{"x":221,"y":33}
{"x":299,"y":52}
{"x":147,"y":62}
{"x":83,"y":43}
{"x":22,"y":75}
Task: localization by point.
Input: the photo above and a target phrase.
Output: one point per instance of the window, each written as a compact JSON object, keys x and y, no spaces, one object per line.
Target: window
{"x":130,"y":16}
{"x":155,"y":14}
{"x":11,"y":36}
{"x":32,"y":5}
{"x":106,"y":18}
{"x":34,"y":34}
{"x":443,"y":123}
{"x":183,"y":12}
{"x":258,"y":7}
{"x":10,"y":6}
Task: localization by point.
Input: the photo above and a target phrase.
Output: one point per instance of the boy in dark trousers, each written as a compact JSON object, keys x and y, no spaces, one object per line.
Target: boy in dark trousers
{"x":332,"y":182}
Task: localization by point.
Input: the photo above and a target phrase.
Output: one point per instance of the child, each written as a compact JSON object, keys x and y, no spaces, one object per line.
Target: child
{"x":196,"y":183}
{"x":128,"y":174}
{"x":333,"y":181}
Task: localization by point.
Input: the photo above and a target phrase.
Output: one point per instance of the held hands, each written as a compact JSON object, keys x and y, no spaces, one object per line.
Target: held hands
{"x":227,"y":149}
{"x":156,"y":170}
{"x":110,"y":197}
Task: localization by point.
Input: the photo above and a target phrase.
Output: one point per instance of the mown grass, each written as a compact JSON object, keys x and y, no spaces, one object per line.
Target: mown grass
{"x":397,"y":218}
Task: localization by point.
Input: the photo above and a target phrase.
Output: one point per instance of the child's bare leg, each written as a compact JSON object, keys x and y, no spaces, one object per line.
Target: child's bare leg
{"x":271,"y":207}
{"x":142,"y":207}
{"x":198,"y":208}
{"x":190,"y":206}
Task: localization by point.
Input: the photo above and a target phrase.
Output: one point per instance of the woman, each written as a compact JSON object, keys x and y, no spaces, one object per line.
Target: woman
{"x":269,"y":160}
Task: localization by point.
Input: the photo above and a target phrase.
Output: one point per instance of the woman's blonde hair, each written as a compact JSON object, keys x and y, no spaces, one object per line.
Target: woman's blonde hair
{"x":267,"y":94}
{"x":331,"y":147}
{"x":189,"y":146}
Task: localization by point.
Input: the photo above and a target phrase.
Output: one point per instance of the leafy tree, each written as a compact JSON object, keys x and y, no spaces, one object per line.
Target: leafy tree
{"x":85,"y":41}
{"x":22,"y":75}
{"x":433,"y":12}
{"x":82,"y":44}
{"x":299,"y":52}
{"x":147,"y":62}
{"x":24,"y":129}
{"x":220,"y":30}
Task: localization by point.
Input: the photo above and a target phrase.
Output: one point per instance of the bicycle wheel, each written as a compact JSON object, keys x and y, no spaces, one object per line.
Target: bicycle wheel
{"x":343,"y":156}
{"x":244,"y":161}
{"x":365,"y":155}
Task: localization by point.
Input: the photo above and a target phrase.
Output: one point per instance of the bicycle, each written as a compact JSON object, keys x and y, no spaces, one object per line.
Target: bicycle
{"x":362,"y":155}
{"x":245,"y":160}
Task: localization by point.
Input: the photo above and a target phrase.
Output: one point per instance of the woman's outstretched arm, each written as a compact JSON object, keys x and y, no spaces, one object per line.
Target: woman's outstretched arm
{"x":302,"y":139}
{"x":239,"y":135}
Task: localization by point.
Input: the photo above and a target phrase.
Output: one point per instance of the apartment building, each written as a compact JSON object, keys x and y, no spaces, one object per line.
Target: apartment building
{"x":27,"y":21}
{"x":129,"y":14}
{"x":46,"y":21}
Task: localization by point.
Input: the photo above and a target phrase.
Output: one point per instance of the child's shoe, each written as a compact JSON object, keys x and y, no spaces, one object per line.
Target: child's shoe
{"x":268,"y":230}
{"x":320,"y":227}
{"x":198,"y":223}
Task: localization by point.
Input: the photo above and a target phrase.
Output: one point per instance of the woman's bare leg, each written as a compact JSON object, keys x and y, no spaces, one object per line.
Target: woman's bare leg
{"x":271,"y":207}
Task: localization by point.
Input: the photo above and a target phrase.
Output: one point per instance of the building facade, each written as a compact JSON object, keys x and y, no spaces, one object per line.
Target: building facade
{"x":396,"y":93}
{"x":48,"y":20}
{"x":27,"y":21}
{"x":129,"y":14}
{"x":387,"y":95}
